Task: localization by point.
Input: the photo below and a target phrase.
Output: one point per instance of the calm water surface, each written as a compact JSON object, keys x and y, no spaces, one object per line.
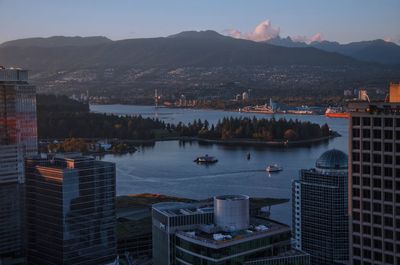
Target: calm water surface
{"x":168,"y":168}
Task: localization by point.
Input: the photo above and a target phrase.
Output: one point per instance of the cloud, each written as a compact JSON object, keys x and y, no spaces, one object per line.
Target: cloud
{"x":262,"y":32}
{"x":393,"y":39}
{"x":317,"y":37}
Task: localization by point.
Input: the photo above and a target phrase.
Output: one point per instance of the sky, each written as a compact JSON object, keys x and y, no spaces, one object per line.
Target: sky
{"x":304,"y":20}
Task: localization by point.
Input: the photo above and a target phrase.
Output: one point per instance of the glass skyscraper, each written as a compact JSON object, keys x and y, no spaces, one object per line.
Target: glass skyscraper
{"x":70,"y":202}
{"x":18,"y":138}
{"x":320,"y":219}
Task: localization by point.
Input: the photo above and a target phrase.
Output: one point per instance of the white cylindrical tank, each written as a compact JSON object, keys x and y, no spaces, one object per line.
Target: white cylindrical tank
{"x":231,"y":212}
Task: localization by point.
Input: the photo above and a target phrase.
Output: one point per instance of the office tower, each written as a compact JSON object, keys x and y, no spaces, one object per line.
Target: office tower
{"x":219,"y":232}
{"x":18,"y":138}
{"x":320,"y":218}
{"x":70,"y":202}
{"x":374,"y":180}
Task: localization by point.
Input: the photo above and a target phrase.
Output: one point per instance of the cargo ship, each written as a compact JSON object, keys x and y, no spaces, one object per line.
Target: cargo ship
{"x":336,"y":113}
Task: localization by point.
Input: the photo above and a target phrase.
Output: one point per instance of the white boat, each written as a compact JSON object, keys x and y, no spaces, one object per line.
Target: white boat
{"x":274,"y":168}
{"x":206,"y":159}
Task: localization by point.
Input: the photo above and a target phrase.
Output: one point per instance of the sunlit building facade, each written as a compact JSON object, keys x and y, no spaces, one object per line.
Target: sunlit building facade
{"x":18,"y":139}
{"x":70,"y":202}
{"x":374,"y":195}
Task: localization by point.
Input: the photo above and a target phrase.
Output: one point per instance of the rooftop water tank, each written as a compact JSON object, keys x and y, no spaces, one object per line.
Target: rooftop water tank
{"x":231,"y":212}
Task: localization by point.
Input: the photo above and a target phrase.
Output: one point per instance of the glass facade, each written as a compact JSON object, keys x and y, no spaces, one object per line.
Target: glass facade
{"x":320,"y":213}
{"x":70,"y":211}
{"x":18,"y":139}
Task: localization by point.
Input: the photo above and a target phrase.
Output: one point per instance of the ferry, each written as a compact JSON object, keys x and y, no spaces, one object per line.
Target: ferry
{"x":206,"y":160}
{"x":336,"y":113}
{"x":274,"y":168}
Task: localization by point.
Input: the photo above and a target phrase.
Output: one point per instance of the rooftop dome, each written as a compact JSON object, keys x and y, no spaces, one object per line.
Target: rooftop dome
{"x":332,"y":159}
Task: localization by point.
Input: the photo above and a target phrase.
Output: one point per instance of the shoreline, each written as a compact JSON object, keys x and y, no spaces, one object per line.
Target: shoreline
{"x":234,"y":142}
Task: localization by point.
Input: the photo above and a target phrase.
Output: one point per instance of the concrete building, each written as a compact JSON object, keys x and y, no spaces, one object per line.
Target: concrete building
{"x":18,"y":138}
{"x":70,"y":202}
{"x":374,"y":180}
{"x":219,"y":232}
{"x":320,"y":218}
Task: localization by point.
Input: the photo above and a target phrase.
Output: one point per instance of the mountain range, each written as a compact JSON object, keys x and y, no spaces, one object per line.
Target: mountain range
{"x":370,"y":51}
{"x":190,"y":48}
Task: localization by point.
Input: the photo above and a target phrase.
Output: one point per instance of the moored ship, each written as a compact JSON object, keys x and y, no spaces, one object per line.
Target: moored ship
{"x":336,"y":113}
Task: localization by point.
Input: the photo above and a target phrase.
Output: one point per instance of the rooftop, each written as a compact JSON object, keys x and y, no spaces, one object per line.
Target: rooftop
{"x":181,"y":208}
{"x":210,"y":236}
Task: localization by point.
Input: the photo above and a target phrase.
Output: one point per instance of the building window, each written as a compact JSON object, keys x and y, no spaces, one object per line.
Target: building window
{"x":366,"y":133}
{"x":377,"y":207}
{"x":366,"y":121}
{"x":356,"y":239}
{"x":356,"y":192}
{"x":366,"y":158}
{"x":388,"y":159}
{"x":378,"y":256}
{"x":377,"y":122}
{"x":388,"y":221}
{"x":366,"y":194}
{"x":388,"y":122}
{"x":377,"y":146}
{"x":356,"y":169}
{"x":377,"y":158}
{"x":388,"y":134}
{"x":366,"y":206}
{"x":377,"y":232}
{"x":377,"y":243}
{"x":398,"y":135}
{"x":366,"y":169}
{"x":356,"y":121}
{"x":356,"y":145}
{"x":377,"y":182}
{"x":388,"y":172}
{"x":388,"y":184}
{"x":356,"y":133}
{"x":377,"y":220}
{"x":377,"y":134}
{"x":367,"y":241}
{"x":366,"y":182}
{"x":398,"y":122}
{"x":356,"y":204}
{"x":366,"y":145}
{"x":377,"y":195}
{"x":356,"y":156}
{"x":366,"y":218}
{"x":388,"y":147}
{"x":388,"y":197}
{"x":389,"y":259}
{"x":388,"y":209}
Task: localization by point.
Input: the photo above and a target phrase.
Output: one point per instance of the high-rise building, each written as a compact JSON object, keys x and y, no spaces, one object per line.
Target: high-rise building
{"x":320,"y":218}
{"x":220,"y":232}
{"x":70,"y":202}
{"x":374,"y":181}
{"x":18,"y":138}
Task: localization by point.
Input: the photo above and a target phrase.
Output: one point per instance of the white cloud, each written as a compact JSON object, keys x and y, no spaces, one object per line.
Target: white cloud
{"x":262,"y":32}
{"x":318,"y":37}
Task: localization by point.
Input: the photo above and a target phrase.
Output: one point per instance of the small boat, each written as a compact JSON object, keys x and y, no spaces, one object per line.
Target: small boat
{"x":274,"y":168}
{"x":206,"y":159}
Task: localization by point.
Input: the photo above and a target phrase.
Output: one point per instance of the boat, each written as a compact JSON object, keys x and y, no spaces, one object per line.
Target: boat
{"x":274,"y":168}
{"x":206,"y":159}
{"x":336,"y":113}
